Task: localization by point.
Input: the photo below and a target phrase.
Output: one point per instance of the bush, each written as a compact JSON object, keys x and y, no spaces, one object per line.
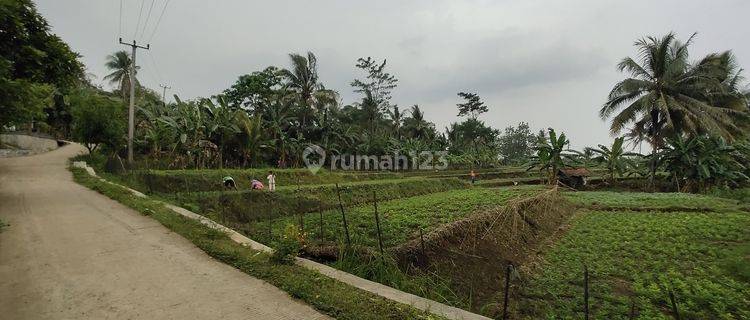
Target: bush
{"x":289,"y":246}
{"x":97,"y":120}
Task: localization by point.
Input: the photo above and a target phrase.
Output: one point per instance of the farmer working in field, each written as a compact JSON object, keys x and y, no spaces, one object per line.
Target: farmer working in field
{"x":256,"y":185}
{"x":229,"y":183}
{"x":473,"y":176}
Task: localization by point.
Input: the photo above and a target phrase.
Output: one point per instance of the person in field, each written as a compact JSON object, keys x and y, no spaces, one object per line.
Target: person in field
{"x":229,"y":183}
{"x":271,"y":181}
{"x":256,"y":185}
{"x":473,"y":176}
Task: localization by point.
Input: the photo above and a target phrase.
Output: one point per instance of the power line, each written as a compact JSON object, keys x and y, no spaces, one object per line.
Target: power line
{"x":119,"y":30}
{"x":138,"y":24}
{"x":148,"y":16}
{"x":158,"y":21}
{"x":154,"y":64}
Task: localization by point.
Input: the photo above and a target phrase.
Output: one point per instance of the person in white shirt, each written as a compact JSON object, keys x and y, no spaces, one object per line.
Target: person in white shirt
{"x":271,"y":181}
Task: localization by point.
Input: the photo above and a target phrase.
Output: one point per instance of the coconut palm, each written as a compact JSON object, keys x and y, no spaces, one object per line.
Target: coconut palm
{"x":119,"y":63}
{"x":667,"y":96}
{"x":416,"y":125}
{"x":302,"y":80}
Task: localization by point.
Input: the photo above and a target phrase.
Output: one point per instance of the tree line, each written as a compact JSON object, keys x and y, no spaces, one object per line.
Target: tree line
{"x":694,"y":115}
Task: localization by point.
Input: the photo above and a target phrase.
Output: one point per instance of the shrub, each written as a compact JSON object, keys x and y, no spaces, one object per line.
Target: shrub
{"x":97,"y":120}
{"x":289,"y":246}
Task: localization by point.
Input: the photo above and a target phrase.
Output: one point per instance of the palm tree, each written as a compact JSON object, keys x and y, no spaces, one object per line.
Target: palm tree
{"x":667,"y":96}
{"x":416,"y":125}
{"x":303,"y":81}
{"x":397,"y":118}
{"x":615,"y":157}
{"x":119,"y":63}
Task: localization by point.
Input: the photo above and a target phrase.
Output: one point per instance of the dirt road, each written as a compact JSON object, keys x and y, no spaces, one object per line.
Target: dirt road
{"x":71,"y":253}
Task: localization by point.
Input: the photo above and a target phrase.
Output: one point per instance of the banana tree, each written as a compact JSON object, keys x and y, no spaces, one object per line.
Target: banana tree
{"x":550,"y":156}
{"x":614,"y":158}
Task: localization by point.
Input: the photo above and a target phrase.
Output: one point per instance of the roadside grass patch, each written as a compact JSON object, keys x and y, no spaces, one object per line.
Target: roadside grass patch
{"x":637,"y":257}
{"x":327,"y":295}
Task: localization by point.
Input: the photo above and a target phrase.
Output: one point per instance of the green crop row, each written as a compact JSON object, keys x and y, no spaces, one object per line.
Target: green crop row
{"x":172,"y":181}
{"x":651,"y":201}
{"x":400,"y":219}
{"x":636,"y":258}
{"x":246,"y":206}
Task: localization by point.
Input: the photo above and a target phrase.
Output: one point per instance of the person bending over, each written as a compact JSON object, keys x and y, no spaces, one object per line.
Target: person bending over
{"x":229,"y":183}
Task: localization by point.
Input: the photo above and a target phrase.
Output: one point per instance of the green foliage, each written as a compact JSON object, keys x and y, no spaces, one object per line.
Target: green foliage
{"x":475,"y":141}
{"x":97,"y":119}
{"x":34,"y":64}
{"x":32,"y":51}
{"x":288,"y":200}
{"x":636,"y":257}
{"x":668,"y":96}
{"x":652,"y":201}
{"x":550,"y":156}
{"x":120,"y":64}
{"x":288,"y":246}
{"x":22,"y":101}
{"x":473,"y":106}
{"x":254,"y":91}
{"x":400,"y":219}
{"x":702,"y":162}
{"x":516,"y":144}
{"x":614,"y":158}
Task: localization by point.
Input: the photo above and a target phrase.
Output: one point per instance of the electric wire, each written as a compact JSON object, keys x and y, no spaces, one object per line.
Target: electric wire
{"x":138,"y":24}
{"x":158,"y":21}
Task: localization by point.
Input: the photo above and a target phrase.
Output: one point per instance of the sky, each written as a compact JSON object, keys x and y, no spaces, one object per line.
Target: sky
{"x":549,"y":63}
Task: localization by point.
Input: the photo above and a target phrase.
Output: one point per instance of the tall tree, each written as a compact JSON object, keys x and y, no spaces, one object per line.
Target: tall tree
{"x":255,"y":90}
{"x":667,"y":96}
{"x":516,"y":143}
{"x":119,"y":63}
{"x":35,"y":64}
{"x":473,"y":106}
{"x":375,"y":89}
{"x":415,"y":125}
{"x":302,"y":79}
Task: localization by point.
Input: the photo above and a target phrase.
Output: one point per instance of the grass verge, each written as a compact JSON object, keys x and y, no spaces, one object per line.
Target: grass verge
{"x":327,"y":295}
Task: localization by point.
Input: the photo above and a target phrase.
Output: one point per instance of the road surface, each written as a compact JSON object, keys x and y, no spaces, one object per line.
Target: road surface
{"x":71,"y":253}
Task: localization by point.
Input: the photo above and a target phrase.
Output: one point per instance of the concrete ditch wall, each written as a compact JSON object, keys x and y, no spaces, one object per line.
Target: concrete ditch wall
{"x":33,"y":144}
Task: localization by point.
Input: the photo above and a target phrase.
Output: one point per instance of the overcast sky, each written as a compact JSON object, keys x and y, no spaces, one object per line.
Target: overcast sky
{"x":549,"y":63}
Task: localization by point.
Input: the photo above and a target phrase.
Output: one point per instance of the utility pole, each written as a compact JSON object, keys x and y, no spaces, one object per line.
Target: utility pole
{"x":131,"y":109}
{"x":164,"y":93}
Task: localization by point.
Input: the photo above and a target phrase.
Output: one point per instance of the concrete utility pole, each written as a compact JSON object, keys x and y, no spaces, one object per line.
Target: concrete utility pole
{"x":131,"y":109}
{"x":164,"y":93}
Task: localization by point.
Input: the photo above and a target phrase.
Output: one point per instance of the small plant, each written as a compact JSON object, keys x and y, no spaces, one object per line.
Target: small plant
{"x":288,"y":247}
